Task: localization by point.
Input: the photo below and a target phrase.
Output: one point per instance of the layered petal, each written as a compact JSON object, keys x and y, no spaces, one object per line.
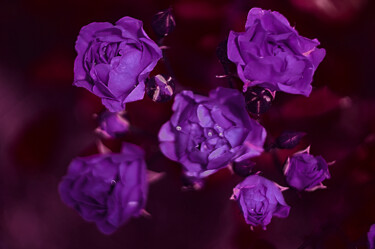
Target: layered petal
{"x":260,"y":199}
{"x":271,"y":54}
{"x":107,"y":189}
{"x":205,"y":134}
{"x":113,"y":61}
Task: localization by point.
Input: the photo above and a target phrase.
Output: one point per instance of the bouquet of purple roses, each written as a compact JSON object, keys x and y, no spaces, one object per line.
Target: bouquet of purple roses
{"x":205,"y":134}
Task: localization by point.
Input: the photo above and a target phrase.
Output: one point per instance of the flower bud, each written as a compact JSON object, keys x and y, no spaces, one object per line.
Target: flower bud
{"x":163,"y":23}
{"x":306,"y":172}
{"x":160,"y":88}
{"x":258,"y":99}
{"x":289,"y":139}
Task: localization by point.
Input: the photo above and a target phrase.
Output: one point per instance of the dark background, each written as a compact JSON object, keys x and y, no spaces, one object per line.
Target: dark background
{"x":45,"y":122}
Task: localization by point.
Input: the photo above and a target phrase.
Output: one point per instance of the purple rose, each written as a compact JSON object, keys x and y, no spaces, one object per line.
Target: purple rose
{"x":260,"y":199}
{"x":113,"y":61}
{"x":206,"y":133}
{"x":270,"y":53}
{"x":304,"y":171}
{"x":112,"y":124}
{"x":107,"y":189}
{"x":371,"y":237}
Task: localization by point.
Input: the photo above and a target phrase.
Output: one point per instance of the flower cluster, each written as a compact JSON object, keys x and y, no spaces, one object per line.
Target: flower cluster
{"x":204,"y":133}
{"x":271,"y":56}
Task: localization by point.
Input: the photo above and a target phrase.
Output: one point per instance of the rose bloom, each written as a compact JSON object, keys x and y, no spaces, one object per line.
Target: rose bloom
{"x":304,"y":171}
{"x":113,"y":61}
{"x":107,"y":189}
{"x":112,"y":124}
{"x":205,"y":134}
{"x":271,"y":54}
{"x":371,"y":237}
{"x":259,"y":200}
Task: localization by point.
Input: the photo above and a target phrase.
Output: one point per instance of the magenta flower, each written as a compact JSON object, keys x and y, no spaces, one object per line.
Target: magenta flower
{"x":205,"y":134}
{"x":113,"y":61}
{"x":259,"y":200}
{"x":304,"y":171}
{"x":107,"y":189}
{"x":271,"y":54}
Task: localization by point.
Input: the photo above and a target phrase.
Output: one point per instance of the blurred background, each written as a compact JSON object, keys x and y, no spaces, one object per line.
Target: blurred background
{"x":45,"y":122}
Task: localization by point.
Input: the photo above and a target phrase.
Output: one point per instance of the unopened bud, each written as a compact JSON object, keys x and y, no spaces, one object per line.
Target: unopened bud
{"x":160,"y":88}
{"x":289,"y":139}
{"x":163,"y":23}
{"x":258,"y":99}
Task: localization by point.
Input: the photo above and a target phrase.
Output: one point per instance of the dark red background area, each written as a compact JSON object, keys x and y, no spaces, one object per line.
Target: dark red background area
{"x":45,"y":122}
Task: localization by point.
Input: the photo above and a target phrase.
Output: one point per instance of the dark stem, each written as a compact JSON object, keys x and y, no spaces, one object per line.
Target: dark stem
{"x":143,"y":133}
{"x":165,"y":59}
{"x":276,"y":161}
{"x":269,"y":147}
{"x":168,"y":66}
